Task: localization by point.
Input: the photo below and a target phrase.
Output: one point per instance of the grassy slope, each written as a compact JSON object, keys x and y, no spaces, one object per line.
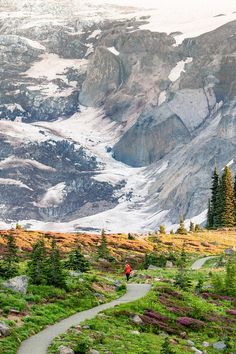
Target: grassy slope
{"x":113,"y":331}
{"x":44,"y":305}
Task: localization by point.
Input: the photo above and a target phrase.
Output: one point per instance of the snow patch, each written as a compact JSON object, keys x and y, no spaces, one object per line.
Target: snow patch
{"x":14,"y":162}
{"x":8,"y":181}
{"x":53,"y":197}
{"x":95,"y":34}
{"x":52,"y":67}
{"x":162,"y":98}
{"x":179,"y":69}
{"x":113,"y":51}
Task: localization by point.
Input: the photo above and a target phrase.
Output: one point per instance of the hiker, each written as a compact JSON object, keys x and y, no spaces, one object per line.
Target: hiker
{"x":127,"y":271}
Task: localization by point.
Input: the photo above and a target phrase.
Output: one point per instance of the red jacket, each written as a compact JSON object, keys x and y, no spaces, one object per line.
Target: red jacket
{"x":127,"y":269}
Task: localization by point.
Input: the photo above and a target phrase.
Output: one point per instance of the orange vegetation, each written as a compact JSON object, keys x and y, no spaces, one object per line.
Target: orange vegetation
{"x":206,"y":242}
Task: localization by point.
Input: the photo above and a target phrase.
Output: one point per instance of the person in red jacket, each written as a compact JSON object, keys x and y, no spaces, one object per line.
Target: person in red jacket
{"x":127,"y":271}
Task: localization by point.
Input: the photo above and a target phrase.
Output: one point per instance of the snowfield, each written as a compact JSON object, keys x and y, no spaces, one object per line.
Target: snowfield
{"x":190,"y":18}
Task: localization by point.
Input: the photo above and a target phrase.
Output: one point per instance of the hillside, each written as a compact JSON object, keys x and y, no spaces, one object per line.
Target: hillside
{"x":200,"y":243}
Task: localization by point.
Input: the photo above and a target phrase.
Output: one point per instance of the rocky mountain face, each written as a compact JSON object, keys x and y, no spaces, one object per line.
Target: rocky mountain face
{"x":159,"y":116}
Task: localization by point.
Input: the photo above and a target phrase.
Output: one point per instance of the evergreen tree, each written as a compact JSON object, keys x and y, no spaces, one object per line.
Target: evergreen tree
{"x":218,"y":213}
{"x":55,"y":274}
{"x":198,"y":228}
{"x":192,"y":227}
{"x":77,"y":261}
{"x":103,"y":251}
{"x":228,"y":209}
{"x":166,"y":348}
{"x":213,"y":207}
{"x":10,"y":258}
{"x":162,"y":229}
{"x":210,"y":219}
{"x":37,"y":267}
{"x":181,"y":230}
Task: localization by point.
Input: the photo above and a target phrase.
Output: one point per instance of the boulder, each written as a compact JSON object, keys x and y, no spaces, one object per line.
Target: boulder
{"x":205,"y":344}
{"x":93,"y":351}
{"x":152,"y":267}
{"x":190,"y":343}
{"x":219,"y":345}
{"x":4,"y":330}
{"x":137,"y":320}
{"x":18,"y":284}
{"x":169,"y":264}
{"x":65,"y":350}
{"x":75,"y":274}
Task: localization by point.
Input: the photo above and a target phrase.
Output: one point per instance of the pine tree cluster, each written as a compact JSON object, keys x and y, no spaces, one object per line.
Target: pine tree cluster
{"x":222,"y":204}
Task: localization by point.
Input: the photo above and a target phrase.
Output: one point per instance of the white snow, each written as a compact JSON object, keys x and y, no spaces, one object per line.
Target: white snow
{"x":53,"y":197}
{"x":14,"y":162}
{"x":113,"y":51}
{"x":133,"y":210}
{"x":191,"y":17}
{"x":178,"y":69}
{"x":52,"y":90}
{"x":230,"y":163}
{"x":12,"y":107}
{"x":162,"y":98}
{"x":34,"y":44}
{"x":52,"y":67}
{"x":22,"y":132}
{"x":95,"y":34}
{"x":10,"y":181}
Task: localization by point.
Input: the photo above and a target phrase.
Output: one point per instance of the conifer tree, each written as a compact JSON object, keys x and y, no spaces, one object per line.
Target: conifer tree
{"x":228,"y":208}
{"x":55,"y":274}
{"x":218,"y":213}
{"x":10,"y":258}
{"x":103,"y":251}
{"x":162,"y":229}
{"x":210,"y":219}
{"x":37,"y":267}
{"x":181,"y":230}
{"x":77,"y":261}
{"x":213,"y":202}
{"x":192,"y":227}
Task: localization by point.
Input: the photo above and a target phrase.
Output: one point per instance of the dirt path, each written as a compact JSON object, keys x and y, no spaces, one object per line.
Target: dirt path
{"x":39,"y":343}
{"x":200,"y":263}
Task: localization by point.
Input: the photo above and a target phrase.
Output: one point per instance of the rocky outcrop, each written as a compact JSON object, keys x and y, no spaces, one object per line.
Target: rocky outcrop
{"x":4,"y":330}
{"x":151,"y":138}
{"x":104,"y":76}
{"x":18,"y":284}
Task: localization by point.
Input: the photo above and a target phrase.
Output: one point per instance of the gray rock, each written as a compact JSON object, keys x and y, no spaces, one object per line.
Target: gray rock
{"x":190,"y":343}
{"x":93,"y":351}
{"x":219,"y":345}
{"x":105,"y":74}
{"x":136,"y":319}
{"x":65,"y":350}
{"x":205,"y":344}
{"x":152,"y":267}
{"x":17,"y":284}
{"x":169,"y":264}
{"x":4,"y":330}
{"x":196,"y":351}
{"x":75,"y":274}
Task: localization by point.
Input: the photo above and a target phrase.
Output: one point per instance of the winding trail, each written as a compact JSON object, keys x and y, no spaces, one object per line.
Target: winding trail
{"x":39,"y":343}
{"x":198,"y":264}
